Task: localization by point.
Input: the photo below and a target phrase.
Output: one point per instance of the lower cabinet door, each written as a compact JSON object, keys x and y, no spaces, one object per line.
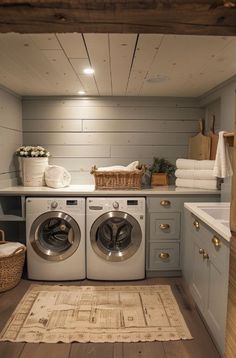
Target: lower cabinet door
{"x":216,"y":306}
{"x":200,"y":277}
{"x":164,"y":256}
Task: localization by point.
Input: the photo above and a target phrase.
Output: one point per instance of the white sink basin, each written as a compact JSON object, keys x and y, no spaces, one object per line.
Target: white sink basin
{"x":217,"y":213}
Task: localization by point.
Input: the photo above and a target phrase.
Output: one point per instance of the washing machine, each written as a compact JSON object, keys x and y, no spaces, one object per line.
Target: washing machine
{"x":55,"y":238}
{"x":115,"y":238}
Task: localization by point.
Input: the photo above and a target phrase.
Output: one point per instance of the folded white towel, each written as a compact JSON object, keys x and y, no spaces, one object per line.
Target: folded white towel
{"x":194,"y":164}
{"x":132,"y":166}
{"x":195,"y":174}
{"x":194,"y":183}
{"x":222,"y":167}
{"x":8,"y":248}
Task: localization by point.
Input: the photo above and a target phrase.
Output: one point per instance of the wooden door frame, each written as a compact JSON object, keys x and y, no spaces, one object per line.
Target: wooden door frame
{"x":188,"y":17}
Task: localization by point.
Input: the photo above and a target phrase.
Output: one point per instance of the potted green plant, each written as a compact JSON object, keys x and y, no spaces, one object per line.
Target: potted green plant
{"x":161,"y":169}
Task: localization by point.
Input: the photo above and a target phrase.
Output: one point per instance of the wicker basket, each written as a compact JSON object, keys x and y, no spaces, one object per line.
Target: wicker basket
{"x":118,"y":180}
{"x":11,"y":267}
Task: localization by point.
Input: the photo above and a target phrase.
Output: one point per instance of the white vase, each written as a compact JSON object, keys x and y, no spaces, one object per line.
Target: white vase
{"x":32,"y":170}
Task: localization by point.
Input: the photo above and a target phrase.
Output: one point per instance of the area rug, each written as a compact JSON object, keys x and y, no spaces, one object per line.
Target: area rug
{"x":96,"y":314}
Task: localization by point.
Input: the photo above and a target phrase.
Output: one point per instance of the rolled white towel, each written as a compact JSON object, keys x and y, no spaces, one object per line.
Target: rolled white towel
{"x":194,"y":164}
{"x":194,"y":183}
{"x":195,"y":174}
{"x":57,"y":177}
{"x":9,"y":247}
{"x":222,"y":167}
{"x":132,"y":166}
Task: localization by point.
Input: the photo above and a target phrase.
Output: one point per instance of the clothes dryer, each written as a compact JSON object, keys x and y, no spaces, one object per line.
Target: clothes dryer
{"x":115,"y":238}
{"x":55,"y":238}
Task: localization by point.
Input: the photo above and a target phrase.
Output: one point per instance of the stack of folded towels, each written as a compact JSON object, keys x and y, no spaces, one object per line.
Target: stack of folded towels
{"x":195,"y":174}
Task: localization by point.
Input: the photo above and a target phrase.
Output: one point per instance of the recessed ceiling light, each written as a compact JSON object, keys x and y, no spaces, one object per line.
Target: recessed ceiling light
{"x":158,"y":79}
{"x":81,"y":92}
{"x":88,"y":71}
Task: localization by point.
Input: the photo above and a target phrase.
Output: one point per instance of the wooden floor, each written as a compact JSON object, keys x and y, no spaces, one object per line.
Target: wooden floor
{"x":199,"y":347}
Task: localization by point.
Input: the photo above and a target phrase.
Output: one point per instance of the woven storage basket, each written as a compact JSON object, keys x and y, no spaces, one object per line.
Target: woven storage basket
{"x":11,"y":267}
{"x":118,"y":180}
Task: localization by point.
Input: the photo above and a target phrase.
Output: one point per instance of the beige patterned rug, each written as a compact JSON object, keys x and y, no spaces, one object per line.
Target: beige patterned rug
{"x":96,"y":314}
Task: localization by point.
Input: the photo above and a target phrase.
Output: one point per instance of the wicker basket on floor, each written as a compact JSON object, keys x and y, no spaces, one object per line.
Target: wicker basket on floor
{"x":118,"y":180}
{"x":11,"y":267}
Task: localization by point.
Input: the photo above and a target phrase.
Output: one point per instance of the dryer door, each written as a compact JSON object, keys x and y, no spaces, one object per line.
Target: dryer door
{"x":115,"y":236}
{"x":55,"y":236}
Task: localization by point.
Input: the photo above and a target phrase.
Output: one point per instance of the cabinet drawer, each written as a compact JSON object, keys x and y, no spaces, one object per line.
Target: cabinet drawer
{"x":165,"y":204}
{"x":164,"y":256}
{"x":164,"y":226}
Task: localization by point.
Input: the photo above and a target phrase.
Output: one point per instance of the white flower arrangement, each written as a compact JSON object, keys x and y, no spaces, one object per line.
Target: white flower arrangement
{"x":32,"y":152}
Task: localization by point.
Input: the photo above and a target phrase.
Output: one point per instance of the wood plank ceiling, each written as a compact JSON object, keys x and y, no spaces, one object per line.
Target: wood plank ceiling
{"x":124,"y":64}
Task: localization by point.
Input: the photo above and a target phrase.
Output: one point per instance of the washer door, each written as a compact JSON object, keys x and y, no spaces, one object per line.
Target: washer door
{"x":115,"y":236}
{"x":55,"y":236}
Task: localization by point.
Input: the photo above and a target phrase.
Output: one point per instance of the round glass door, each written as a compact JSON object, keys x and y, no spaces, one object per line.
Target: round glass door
{"x":55,"y":236}
{"x":115,"y":236}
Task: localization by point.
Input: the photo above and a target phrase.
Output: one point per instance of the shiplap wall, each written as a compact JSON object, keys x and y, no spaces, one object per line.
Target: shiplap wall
{"x":221,"y":101}
{"x":81,"y":132}
{"x":10,"y":136}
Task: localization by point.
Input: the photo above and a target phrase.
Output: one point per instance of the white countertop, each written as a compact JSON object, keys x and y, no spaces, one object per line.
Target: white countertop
{"x":215,"y":215}
{"x":89,"y":190}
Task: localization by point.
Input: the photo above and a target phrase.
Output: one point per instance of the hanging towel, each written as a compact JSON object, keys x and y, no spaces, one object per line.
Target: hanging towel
{"x":195,"y":174}
{"x":222,"y":167}
{"x":194,"y":164}
{"x":194,"y":183}
{"x":132,"y":166}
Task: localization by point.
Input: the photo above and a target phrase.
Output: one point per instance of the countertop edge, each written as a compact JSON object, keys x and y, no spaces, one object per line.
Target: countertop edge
{"x":89,"y":190}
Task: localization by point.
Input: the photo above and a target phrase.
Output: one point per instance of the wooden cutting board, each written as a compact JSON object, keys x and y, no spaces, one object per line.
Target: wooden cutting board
{"x":214,"y":138}
{"x":199,"y":145}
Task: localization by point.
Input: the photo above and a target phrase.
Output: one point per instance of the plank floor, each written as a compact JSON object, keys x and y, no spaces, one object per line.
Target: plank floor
{"x":201,"y":346}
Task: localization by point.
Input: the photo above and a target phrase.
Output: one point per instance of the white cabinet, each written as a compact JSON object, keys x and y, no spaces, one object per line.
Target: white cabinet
{"x":205,"y":267}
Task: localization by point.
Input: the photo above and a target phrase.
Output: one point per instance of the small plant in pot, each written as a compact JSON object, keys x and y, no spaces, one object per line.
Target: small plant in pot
{"x":161,"y":170}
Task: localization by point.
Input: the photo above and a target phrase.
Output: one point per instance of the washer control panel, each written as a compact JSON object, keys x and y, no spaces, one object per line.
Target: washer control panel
{"x":57,"y":204}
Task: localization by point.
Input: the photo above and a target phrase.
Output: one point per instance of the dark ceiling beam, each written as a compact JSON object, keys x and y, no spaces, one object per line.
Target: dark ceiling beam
{"x":119,"y":16}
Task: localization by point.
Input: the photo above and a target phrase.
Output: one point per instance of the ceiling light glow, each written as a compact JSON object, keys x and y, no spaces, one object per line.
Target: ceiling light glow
{"x":88,"y":71}
{"x":81,"y":92}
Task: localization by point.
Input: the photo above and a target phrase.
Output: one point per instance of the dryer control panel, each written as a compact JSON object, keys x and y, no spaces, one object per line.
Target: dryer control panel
{"x":119,"y":204}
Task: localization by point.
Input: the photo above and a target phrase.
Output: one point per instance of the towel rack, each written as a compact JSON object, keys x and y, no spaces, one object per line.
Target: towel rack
{"x":230,"y":138}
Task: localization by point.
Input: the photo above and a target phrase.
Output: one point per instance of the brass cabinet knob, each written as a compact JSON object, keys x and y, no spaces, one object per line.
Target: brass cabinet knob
{"x":201,"y":251}
{"x":215,"y":241}
{"x":165,"y":203}
{"x":196,"y":224}
{"x":205,"y":255}
{"x":164,"y":226}
{"x":164,"y":255}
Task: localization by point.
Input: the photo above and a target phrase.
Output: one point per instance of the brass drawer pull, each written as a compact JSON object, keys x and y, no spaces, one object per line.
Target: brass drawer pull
{"x":164,"y":255}
{"x":165,"y":203}
{"x":196,"y":224}
{"x":201,"y":251}
{"x":215,"y":241}
{"x":205,"y":256}
{"x":164,"y":226}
